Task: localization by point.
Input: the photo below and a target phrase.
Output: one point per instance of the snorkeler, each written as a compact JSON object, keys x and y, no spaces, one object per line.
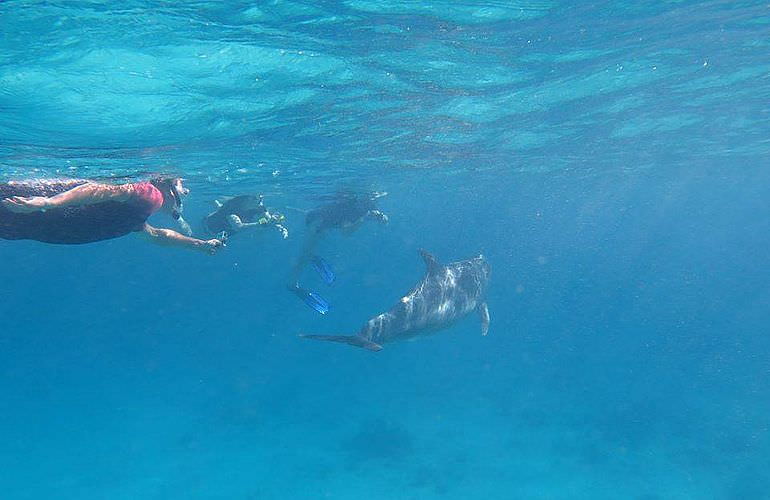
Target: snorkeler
{"x":346,"y":213}
{"x":241,"y":213}
{"x":72,"y":212}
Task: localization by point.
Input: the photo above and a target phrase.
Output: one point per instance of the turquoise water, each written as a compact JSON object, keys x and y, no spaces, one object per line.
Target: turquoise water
{"x":609,"y":159}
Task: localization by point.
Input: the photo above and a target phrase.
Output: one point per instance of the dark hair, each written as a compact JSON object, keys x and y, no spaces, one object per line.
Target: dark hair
{"x":163,"y":181}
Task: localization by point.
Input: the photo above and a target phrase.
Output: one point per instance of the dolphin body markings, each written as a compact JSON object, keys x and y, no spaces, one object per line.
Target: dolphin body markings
{"x":445,"y":294}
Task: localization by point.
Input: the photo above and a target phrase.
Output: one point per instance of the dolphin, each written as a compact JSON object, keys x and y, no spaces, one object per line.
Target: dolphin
{"x":445,"y":294}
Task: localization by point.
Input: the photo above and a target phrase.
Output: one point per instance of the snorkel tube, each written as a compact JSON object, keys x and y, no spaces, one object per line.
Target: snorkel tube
{"x":176,"y":212}
{"x":183,"y":225}
{"x":169,"y":186}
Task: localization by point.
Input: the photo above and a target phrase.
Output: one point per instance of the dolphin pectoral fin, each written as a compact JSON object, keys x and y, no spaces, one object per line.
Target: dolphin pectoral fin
{"x":430,"y":261}
{"x":346,"y":339}
{"x":484,"y":313}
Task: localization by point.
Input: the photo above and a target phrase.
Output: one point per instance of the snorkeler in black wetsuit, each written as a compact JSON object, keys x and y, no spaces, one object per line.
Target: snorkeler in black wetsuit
{"x":242,"y":213}
{"x":346,"y":213}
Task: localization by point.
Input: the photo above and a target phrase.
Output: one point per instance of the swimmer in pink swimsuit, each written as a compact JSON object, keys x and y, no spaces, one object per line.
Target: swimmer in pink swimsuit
{"x":73,"y":212}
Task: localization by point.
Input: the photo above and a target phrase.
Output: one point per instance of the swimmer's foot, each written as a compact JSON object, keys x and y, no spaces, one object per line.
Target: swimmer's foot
{"x":324,"y":270}
{"x":310,"y":298}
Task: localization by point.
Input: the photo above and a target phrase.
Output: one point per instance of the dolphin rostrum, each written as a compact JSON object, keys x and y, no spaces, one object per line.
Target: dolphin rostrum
{"x":444,"y":295}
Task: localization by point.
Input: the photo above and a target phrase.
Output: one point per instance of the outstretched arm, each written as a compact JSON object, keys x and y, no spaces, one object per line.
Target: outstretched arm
{"x":85,"y":194}
{"x":167,"y":237}
{"x":236,"y":222}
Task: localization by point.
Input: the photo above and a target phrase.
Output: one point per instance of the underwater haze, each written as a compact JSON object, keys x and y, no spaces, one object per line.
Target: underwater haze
{"x":609,"y":159}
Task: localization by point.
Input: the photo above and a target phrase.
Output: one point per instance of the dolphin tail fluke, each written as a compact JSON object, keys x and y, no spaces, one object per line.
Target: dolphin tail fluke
{"x":354,"y":340}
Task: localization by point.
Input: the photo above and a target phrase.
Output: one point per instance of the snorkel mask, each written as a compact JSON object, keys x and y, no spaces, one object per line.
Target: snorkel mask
{"x":173,"y":188}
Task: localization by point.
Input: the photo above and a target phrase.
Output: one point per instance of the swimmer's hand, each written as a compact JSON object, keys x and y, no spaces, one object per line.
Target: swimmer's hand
{"x":211,"y":246}
{"x":380,"y":216}
{"x":26,"y":204}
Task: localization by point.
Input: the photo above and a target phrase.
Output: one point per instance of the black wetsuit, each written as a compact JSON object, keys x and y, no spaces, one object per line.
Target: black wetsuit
{"x":246,"y":207}
{"x":69,"y":225}
{"x":345,"y":211}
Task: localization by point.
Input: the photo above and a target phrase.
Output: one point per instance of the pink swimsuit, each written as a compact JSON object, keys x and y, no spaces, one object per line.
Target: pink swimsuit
{"x":149,"y":195}
{"x":77,"y":225}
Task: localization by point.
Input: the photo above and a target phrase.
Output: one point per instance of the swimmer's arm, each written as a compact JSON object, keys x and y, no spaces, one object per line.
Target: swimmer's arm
{"x":167,"y":237}
{"x":90,"y":194}
{"x":85,"y":194}
{"x":236,"y":222}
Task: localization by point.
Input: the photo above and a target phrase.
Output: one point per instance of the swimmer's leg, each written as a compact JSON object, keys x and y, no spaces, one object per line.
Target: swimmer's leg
{"x":308,"y":249}
{"x":89,"y":193}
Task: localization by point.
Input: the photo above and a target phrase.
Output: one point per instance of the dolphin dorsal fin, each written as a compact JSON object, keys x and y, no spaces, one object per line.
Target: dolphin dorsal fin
{"x":430,"y":261}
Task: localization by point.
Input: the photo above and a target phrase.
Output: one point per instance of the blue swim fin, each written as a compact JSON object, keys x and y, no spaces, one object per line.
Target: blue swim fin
{"x":324,"y":270}
{"x":310,"y":298}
